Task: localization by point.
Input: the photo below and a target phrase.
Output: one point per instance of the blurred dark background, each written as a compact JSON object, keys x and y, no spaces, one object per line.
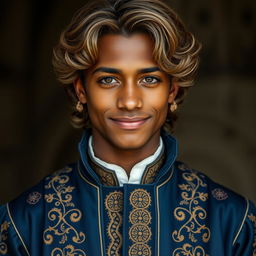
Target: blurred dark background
{"x":217,"y":124}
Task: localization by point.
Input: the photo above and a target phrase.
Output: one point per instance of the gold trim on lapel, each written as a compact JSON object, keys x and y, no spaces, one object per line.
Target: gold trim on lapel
{"x":107,"y":177}
{"x":152,"y":169}
{"x":158,"y":210}
{"x":114,"y":205}
{"x":140,"y":231}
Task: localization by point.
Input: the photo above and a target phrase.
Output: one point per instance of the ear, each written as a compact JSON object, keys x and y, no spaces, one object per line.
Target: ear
{"x":173,"y":91}
{"x":80,"y":91}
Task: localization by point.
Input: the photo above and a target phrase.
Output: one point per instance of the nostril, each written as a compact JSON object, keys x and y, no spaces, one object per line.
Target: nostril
{"x":129,"y":103}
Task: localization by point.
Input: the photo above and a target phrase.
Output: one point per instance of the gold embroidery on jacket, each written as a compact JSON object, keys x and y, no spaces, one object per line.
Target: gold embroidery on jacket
{"x":63,"y":214}
{"x":140,"y":198}
{"x":140,"y":231}
{"x":69,"y":250}
{"x":190,"y":213}
{"x":114,"y":205}
{"x":153,"y":169}
{"x":189,"y":250}
{"x":140,"y":216}
{"x":3,"y":237}
{"x":252,"y":218}
{"x":107,"y":177}
{"x":140,"y":249}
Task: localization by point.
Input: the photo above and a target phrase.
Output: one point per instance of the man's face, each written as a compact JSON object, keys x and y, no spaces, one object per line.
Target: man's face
{"x":126,"y":93}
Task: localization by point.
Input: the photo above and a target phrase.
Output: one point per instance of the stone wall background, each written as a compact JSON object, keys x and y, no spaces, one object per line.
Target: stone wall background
{"x":216,"y":128}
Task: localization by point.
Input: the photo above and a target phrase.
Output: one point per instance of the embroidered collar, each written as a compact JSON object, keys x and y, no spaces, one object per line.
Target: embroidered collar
{"x":108,"y":177}
{"x":155,"y":172}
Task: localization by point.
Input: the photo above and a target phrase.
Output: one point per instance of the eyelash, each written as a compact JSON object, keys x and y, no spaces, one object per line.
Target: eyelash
{"x":157,"y":80}
{"x":101,"y":80}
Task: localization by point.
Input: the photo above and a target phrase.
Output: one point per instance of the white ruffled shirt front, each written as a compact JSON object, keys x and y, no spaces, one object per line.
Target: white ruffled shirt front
{"x":136,"y":171}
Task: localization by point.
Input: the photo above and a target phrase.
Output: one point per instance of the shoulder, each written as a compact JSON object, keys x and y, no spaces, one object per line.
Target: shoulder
{"x":216,"y":193}
{"x":29,"y":209}
{"x":224,"y":207}
{"x":27,"y":213}
{"x":228,"y":214}
{"x":23,"y":217}
{"x":39,"y":194}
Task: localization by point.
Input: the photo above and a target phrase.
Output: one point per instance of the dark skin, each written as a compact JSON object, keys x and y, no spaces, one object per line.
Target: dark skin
{"x":127,"y":97}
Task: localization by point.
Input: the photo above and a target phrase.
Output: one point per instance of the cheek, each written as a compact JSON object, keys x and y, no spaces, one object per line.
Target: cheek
{"x":98,"y":102}
{"x":159,"y":100}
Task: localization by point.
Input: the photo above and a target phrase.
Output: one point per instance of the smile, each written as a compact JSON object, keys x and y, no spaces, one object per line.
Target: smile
{"x":129,"y":123}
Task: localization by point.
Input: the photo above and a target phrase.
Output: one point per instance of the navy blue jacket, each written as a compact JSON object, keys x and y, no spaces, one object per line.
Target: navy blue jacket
{"x":180,"y":213}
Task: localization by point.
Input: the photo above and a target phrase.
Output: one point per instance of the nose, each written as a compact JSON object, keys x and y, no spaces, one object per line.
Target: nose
{"x":129,"y":97}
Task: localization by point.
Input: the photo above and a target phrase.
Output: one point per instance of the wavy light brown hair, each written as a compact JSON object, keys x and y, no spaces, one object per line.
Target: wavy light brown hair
{"x":175,"y":49}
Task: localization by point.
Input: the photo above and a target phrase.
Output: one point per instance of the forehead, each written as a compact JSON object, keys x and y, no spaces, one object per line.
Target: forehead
{"x":136,"y":48}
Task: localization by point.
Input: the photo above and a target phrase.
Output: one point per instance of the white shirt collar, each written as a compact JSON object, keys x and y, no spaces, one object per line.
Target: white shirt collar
{"x":136,"y":171}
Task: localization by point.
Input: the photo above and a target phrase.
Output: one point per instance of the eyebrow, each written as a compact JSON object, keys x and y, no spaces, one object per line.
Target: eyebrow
{"x":149,"y":70}
{"x":118,"y":71}
{"x":107,"y":70}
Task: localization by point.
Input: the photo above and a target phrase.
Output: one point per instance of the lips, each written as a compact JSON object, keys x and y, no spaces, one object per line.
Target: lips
{"x":129,"y":123}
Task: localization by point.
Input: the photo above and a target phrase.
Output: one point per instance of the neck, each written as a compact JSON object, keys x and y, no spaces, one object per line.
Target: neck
{"x":124,"y":157}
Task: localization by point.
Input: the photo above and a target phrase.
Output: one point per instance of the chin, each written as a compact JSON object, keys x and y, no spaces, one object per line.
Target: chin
{"x":129,"y":141}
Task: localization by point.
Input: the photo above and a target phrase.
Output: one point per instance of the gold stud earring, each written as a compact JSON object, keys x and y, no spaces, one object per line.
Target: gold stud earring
{"x":79,"y":107}
{"x":173,"y":106}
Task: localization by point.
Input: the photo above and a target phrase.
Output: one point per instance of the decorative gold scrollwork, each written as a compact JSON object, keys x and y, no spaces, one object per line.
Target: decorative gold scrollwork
{"x":107,"y":177}
{"x":152,"y":170}
{"x":140,"y":198}
{"x":3,"y":237}
{"x":189,"y":250}
{"x":140,"y":217}
{"x":191,"y":214}
{"x":140,"y":233}
{"x":63,"y":214}
{"x":114,"y":202}
{"x":69,"y":250}
{"x":252,"y":218}
{"x":139,"y":250}
{"x":114,"y":205}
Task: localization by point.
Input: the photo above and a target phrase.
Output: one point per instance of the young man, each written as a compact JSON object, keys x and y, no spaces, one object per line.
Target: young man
{"x":126,"y":66}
